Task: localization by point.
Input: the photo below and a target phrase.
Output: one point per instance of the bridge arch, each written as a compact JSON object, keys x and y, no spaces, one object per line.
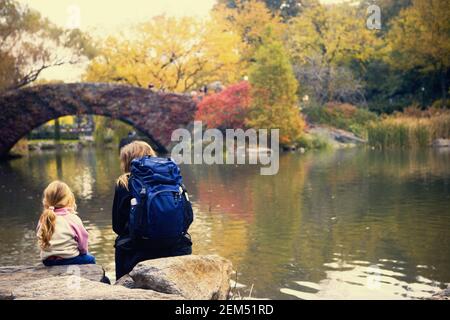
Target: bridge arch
{"x":154,"y":114}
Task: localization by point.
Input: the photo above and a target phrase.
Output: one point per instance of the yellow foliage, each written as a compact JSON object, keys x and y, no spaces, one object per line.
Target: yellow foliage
{"x":67,"y":120}
{"x":421,"y":34}
{"x":173,"y":54}
{"x":249,"y":20}
{"x":335,"y":33}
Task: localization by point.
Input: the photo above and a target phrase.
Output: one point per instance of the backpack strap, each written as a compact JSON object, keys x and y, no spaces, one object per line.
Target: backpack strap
{"x":188,"y":212}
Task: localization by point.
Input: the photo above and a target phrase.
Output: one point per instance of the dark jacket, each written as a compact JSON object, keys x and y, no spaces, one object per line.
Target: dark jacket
{"x":121,"y":211}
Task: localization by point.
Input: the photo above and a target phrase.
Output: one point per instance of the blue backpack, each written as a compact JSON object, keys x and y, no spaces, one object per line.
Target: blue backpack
{"x":160,"y":207}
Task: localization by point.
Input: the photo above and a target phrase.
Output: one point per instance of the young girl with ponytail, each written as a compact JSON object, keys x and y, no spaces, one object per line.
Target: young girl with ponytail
{"x":62,"y":238}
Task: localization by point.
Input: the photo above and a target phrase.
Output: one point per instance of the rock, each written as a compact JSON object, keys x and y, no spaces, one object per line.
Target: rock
{"x":77,"y":288}
{"x":337,"y":137}
{"x":193,"y":277}
{"x":443,"y":295}
{"x":175,"y":278}
{"x":441,"y":143}
{"x":126,"y":281}
{"x":14,"y":276}
{"x":6,"y":295}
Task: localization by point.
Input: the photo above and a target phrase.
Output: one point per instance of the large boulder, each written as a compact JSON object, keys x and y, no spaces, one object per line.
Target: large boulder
{"x":441,"y":143}
{"x":77,"y":288}
{"x":13,"y":276}
{"x":192,"y":277}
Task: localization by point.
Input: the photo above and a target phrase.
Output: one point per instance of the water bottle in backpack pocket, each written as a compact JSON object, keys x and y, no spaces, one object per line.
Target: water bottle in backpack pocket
{"x":160,"y":206}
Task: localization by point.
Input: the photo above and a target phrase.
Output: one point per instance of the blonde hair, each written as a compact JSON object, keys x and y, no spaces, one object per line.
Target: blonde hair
{"x":57,"y":195}
{"x":133,"y":150}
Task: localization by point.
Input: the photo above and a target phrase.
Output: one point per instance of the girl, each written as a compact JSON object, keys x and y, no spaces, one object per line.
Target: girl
{"x":61,"y":235}
{"x":130,"y":252}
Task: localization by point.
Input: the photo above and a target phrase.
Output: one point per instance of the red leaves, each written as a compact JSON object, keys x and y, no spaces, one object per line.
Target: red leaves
{"x":226,"y":109}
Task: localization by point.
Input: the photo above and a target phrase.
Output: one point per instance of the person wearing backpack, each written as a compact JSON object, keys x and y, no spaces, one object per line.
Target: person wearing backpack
{"x":151,"y":211}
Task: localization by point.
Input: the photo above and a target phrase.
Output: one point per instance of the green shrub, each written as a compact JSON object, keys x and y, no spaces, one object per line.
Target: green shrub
{"x":313,"y":141}
{"x":341,"y":116}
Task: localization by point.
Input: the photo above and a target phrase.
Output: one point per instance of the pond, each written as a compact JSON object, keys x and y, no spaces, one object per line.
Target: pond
{"x":346,"y":224}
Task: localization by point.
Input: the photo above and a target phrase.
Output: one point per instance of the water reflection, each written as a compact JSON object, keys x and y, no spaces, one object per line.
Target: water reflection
{"x":350,"y":224}
{"x":360,"y":280}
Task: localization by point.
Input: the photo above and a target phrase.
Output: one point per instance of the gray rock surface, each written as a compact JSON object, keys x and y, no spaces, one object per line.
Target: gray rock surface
{"x":77,"y":288}
{"x":13,"y":276}
{"x":442,"y":295}
{"x":193,"y":277}
{"x":441,"y":143}
{"x":175,"y":278}
{"x":126,"y":281}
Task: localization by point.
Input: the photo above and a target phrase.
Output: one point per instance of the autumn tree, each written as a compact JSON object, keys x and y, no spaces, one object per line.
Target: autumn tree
{"x":30,"y":44}
{"x":420,"y":39}
{"x":389,"y":9}
{"x":329,"y":48}
{"x":226,"y":109}
{"x":174,"y":54}
{"x":274,"y":92}
{"x":284,"y":8}
{"x":248,"y":19}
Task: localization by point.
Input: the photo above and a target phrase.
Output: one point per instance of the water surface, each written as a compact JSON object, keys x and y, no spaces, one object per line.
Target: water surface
{"x":330,"y":225}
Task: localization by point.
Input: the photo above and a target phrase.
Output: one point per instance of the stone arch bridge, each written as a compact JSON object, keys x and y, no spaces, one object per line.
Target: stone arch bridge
{"x":155,"y":114}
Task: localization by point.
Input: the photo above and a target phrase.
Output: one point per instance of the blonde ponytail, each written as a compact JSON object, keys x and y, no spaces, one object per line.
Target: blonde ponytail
{"x":46,"y":227}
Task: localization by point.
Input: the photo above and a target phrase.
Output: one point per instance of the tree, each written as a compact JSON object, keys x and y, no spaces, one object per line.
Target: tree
{"x":326,"y":82}
{"x":29,"y":44}
{"x":420,"y":39}
{"x":330,"y":47}
{"x":290,"y":8}
{"x":389,"y":9}
{"x":226,"y":109}
{"x":248,"y":19}
{"x":174,"y":54}
{"x":388,"y":89}
{"x":274,"y":92}
{"x":285,"y":8}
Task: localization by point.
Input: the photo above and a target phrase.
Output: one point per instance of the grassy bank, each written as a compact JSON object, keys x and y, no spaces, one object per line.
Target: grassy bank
{"x":412,"y":128}
{"x":409,"y":130}
{"x":51,"y":141}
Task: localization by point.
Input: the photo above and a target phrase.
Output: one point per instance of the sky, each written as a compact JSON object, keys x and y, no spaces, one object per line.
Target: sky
{"x":111,"y":15}
{"x":106,"y":17}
